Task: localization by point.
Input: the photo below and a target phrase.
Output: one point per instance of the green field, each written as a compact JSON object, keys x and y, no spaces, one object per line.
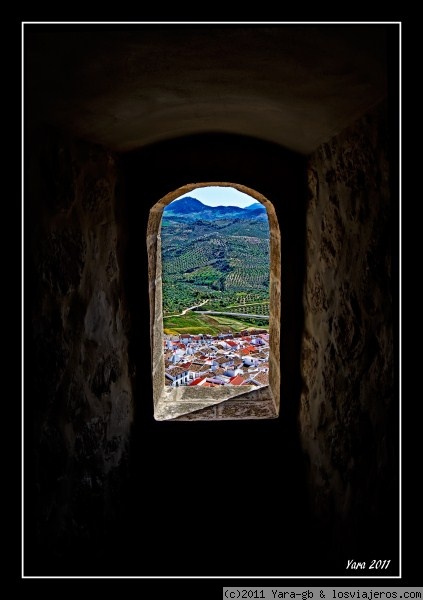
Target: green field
{"x":208,"y":324}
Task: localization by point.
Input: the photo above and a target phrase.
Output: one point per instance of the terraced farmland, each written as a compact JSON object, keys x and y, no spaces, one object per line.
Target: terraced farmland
{"x":223,"y":261}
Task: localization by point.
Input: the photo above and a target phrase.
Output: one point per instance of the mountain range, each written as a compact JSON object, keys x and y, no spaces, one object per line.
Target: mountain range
{"x":191,"y":209}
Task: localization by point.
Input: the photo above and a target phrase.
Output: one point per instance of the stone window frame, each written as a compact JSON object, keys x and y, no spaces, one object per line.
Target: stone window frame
{"x":225,"y":402}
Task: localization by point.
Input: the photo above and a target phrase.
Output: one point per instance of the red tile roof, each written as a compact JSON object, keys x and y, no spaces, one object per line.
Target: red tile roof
{"x":262,"y":378}
{"x":178,"y":371}
{"x":197,"y":381}
{"x":238,"y":380}
{"x":219,"y":371}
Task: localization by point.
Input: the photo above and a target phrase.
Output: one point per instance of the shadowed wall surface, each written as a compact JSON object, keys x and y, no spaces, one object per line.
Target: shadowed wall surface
{"x":349,"y":405}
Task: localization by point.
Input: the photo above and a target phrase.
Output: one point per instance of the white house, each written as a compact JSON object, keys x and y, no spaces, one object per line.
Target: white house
{"x":250,"y":361}
{"x":233,"y":370}
{"x":178,"y":375}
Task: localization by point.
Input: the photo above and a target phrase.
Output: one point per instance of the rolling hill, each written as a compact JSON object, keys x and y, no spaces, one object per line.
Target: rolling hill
{"x":217,"y":253}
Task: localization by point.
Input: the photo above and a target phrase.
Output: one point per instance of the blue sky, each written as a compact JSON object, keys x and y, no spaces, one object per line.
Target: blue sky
{"x":220,"y":196}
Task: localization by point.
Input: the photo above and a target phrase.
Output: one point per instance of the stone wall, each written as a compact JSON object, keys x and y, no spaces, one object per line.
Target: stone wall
{"x":349,"y":409}
{"x":78,"y":399}
{"x":241,"y":402}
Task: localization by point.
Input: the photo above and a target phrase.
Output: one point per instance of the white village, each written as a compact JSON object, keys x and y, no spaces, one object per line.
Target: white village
{"x":227,"y":359}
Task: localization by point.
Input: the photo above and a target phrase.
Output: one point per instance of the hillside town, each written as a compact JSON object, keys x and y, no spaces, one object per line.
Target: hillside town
{"x":227,"y":359}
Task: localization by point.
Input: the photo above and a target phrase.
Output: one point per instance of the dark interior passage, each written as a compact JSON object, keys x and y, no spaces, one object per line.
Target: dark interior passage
{"x":236,"y":457}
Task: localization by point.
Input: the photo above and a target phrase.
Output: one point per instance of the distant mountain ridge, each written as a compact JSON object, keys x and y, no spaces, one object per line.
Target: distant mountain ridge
{"x":191,"y":209}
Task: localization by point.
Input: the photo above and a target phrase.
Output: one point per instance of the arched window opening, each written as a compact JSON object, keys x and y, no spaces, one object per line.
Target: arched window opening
{"x":214,"y":269}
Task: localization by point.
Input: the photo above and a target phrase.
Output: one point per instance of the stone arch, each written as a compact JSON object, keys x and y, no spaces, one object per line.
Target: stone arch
{"x":236,"y":402}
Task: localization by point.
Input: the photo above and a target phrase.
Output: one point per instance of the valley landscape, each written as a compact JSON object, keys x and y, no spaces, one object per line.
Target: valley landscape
{"x":216,"y":257}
